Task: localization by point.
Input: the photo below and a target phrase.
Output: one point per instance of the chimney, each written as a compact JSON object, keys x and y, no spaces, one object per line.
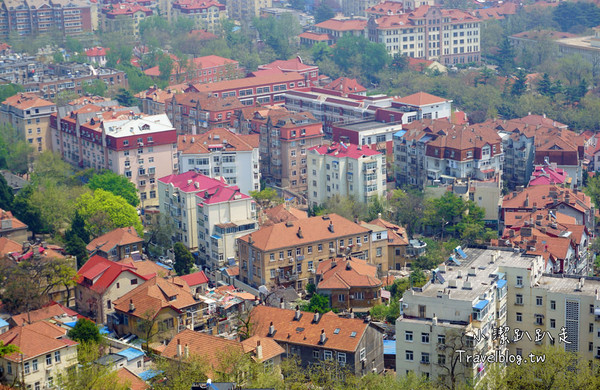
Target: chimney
{"x":281,"y":303}
{"x":434,"y":320}
{"x":271,"y":329}
{"x":178,"y":348}
{"x":186,"y":351}
{"x":298,"y":314}
{"x":323,"y":337}
{"x":250,"y":240}
{"x":330,"y":226}
{"x":299,"y":234}
{"x":317,"y":317}
{"x":259,"y":353}
{"x":131,"y":305}
{"x":351,"y":313}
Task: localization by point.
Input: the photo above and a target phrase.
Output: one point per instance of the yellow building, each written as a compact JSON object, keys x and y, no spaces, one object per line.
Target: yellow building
{"x":29,"y":115}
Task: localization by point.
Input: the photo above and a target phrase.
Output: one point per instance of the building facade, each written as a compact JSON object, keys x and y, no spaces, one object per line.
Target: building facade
{"x":124,"y":18}
{"x":246,"y":10}
{"x":195,"y":113}
{"x":205,"y":14}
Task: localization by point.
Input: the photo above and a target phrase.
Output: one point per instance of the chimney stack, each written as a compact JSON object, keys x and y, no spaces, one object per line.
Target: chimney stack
{"x":187,"y":351}
{"x":281,"y":303}
{"x":323,"y":337}
{"x":317,"y":316}
{"x":298,"y":314}
{"x":131,"y":305}
{"x":271,"y":329}
{"x":259,"y":352}
{"x":178,"y":348}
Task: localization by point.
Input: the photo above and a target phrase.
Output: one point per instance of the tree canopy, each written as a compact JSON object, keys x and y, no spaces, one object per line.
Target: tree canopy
{"x":117,"y":185}
{"x":184,"y":261}
{"x":85,"y":331}
{"x":103,"y":211}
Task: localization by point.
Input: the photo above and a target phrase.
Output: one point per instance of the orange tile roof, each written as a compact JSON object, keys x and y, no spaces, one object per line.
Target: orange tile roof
{"x":131,"y":380}
{"x":270,"y":348}
{"x":346,"y":273}
{"x":305,"y":331}
{"x":396,"y":234}
{"x":117,"y":237}
{"x":540,"y":197}
{"x":202,"y":143}
{"x":16,"y":224}
{"x":200,"y":344}
{"x":35,"y":339}
{"x":343,"y":24}
{"x":345,"y":85}
{"x":313,"y":229}
{"x":314,"y":36}
{"x":146,"y":268}
{"x":154,"y":295}
{"x":207,"y":103}
{"x":421,"y":99}
{"x":9,"y":246}
{"x":283,"y":213}
{"x":248,"y":82}
{"x":45,"y":313}
{"x":27,"y":100}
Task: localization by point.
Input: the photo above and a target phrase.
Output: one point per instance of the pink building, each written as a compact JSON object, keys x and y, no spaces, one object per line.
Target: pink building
{"x":142,"y":148}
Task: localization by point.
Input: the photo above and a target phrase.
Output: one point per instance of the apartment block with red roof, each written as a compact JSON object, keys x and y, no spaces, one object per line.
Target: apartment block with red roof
{"x":310,"y":72}
{"x":153,"y":100}
{"x":208,"y":215}
{"x":221,"y":152}
{"x":425,"y":105}
{"x":96,"y":55}
{"x":285,"y":138}
{"x":449,"y":36}
{"x":117,"y":244}
{"x":124,"y":18}
{"x":30,"y":115}
{"x":100,"y":282}
{"x":345,"y":170}
{"x":44,"y":353}
{"x":196,"y":112}
{"x":353,"y":343}
{"x":337,"y":28}
{"x":207,"y":69}
{"x":397,"y":243}
{"x":206,"y":14}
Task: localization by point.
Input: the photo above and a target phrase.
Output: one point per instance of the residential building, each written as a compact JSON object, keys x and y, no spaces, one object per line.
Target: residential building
{"x":44,"y":353}
{"x":246,"y":10}
{"x":397,"y":244}
{"x":549,"y":174}
{"x":345,"y":170}
{"x":207,"y":69}
{"x":43,"y":16}
{"x":370,"y":133}
{"x":349,"y":283}
{"x":206,"y":15}
{"x":166,"y":305}
{"x":535,"y":140}
{"x":346,"y":86}
{"x":304,"y":19}
{"x":288,"y":253}
{"x":12,"y":228}
{"x":449,"y":36}
{"x":587,"y":47}
{"x":142,"y":148}
{"x":128,"y":378}
{"x":387,"y":8}
{"x":117,"y":244}
{"x":29,"y":115}
{"x":503,"y":288}
{"x":425,"y":105}
{"x":310,"y":72}
{"x":49,"y":312}
{"x":124,"y":18}
{"x":337,"y":28}
{"x":153,"y":101}
{"x":96,"y":55}
{"x":197,"y":282}
{"x":285,"y":138}
{"x":208,"y":215}
{"x":262,"y":89}
{"x":195,"y":113}
{"x":100,"y":282}
{"x":354,"y":8}
{"x":221,"y":152}
{"x":280,"y":213}
{"x":532,"y":38}
{"x":353,"y":343}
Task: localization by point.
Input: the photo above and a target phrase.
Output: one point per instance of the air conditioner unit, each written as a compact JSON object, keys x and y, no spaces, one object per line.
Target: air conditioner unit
{"x":359,"y":244}
{"x":311,"y":270}
{"x":291,"y":259}
{"x":331,"y":250}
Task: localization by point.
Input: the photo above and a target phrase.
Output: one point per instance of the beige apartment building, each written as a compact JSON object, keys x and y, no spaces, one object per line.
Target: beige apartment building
{"x":29,"y":115}
{"x":245,"y":10}
{"x":480,"y":290}
{"x":288,"y":253}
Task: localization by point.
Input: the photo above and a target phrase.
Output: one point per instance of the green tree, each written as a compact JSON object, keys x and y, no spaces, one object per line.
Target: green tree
{"x":103,"y":211}
{"x":8,"y":90}
{"x":407,"y":209}
{"x":318,"y":303}
{"x":184,"y":261}
{"x":76,"y":239}
{"x":545,"y":85}
{"x":58,"y":57}
{"x":157,"y":237}
{"x":399,"y":62}
{"x":376,"y":208}
{"x":6,"y":195}
{"x":26,"y":213}
{"x":266,"y":198}
{"x":323,"y":12}
{"x":117,"y":184}
{"x":320,"y":51}
{"x":73,"y":45}
{"x":165,"y":67}
{"x":85,"y":331}
{"x":96,"y":88}
{"x":520,"y":85}
{"x":126,"y":98}
{"x":506,"y":58}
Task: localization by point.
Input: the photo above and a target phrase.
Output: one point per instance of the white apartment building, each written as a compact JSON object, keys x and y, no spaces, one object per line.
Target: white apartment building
{"x":220,"y":152}
{"x":478,"y":290}
{"x":422,"y":105}
{"x":206,"y":213}
{"x":345,"y":170}
{"x":141,"y":148}
{"x":448,"y":36}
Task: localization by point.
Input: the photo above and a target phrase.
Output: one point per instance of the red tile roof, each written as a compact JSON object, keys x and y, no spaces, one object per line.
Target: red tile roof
{"x":96,"y":52}
{"x":27,"y":100}
{"x":125,"y":9}
{"x":9,"y":246}
{"x":543,"y":175}
{"x":114,"y":238}
{"x":103,"y":272}
{"x":191,"y":181}
{"x":305,"y":331}
{"x":128,"y":378}
{"x":343,"y":24}
{"x":195,"y":279}
{"x":35,"y":339}
{"x":45,"y":313}
{"x":421,"y":99}
{"x":270,"y":348}
{"x":220,"y":193}
{"x":217,"y":139}
{"x":199,"y":344}
{"x":346,"y":273}
{"x":314,"y":36}
{"x":293,"y":65}
{"x":342,"y":150}
{"x":345,"y":85}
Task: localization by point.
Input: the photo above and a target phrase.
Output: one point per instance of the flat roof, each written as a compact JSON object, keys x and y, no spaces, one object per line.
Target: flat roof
{"x":370,"y":125}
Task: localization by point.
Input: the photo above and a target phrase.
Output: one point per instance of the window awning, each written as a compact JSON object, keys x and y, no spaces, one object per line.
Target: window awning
{"x":481,"y":304}
{"x":501,"y":283}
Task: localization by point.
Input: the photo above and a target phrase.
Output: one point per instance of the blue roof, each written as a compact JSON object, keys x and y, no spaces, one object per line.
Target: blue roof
{"x":148,"y":374}
{"x":3,"y":323}
{"x":501,"y":283}
{"x":389,"y":347}
{"x":70,"y":324}
{"x":400,"y":133}
{"x":104,"y":330}
{"x":131,"y":353}
{"x":163,"y":265}
{"x":216,"y":237}
{"x":481,"y":304}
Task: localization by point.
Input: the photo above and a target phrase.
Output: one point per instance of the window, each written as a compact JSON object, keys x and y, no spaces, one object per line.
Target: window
{"x":552,"y":323}
{"x":425,"y":338}
{"x":519,"y":317}
{"x":341,"y":357}
{"x":424,"y":357}
{"x":309,"y":249}
{"x":552,"y":305}
{"x":519,"y":299}
{"x":363,"y":354}
{"x":408,"y":336}
{"x":409,"y":356}
{"x":272,"y":274}
{"x":539,"y":320}
{"x":26,"y":368}
{"x":57,"y":356}
{"x":591,"y":328}
{"x":327,"y":355}
{"x":341,"y":297}
{"x":441,"y":359}
{"x":134,"y":281}
{"x":37,"y":386}
{"x":9,"y":367}
{"x":272,"y":257}
{"x":48,"y":360}
{"x":379,"y":252}
{"x":34,"y":365}
{"x":520,"y":351}
{"x":316,"y":354}
{"x":519,"y":281}
{"x":109,"y":304}
{"x":441,"y":339}
{"x":538,"y":301}
{"x":320,"y":248}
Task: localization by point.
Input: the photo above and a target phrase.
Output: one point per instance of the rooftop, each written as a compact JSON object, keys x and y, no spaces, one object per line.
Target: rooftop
{"x":420,"y":99}
{"x":217,"y":140}
{"x":35,"y":339}
{"x":114,"y":238}
{"x":344,"y":150}
{"x":139,"y":126}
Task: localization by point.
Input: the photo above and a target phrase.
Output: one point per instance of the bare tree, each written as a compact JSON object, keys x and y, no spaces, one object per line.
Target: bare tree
{"x":452,"y":359}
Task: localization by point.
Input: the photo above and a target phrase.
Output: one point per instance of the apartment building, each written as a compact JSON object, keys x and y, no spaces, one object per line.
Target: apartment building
{"x":394,"y":7}
{"x":142,"y":148}
{"x":535,"y":140}
{"x":438,"y":150}
{"x":337,"y":28}
{"x":374,"y":134}
{"x":285,"y":138}
{"x":346,"y":86}
{"x":261,"y":89}
{"x":288,"y":253}
{"x":30,"y":116}
{"x":116,"y":245}
{"x":207,"y":214}
{"x":207,"y":69}
{"x":221,"y":152}
{"x":345,"y":170}
{"x":34,"y":17}
{"x":397,"y":243}
{"x":194,"y":113}
{"x":206,"y":15}
{"x":153,"y":100}
{"x":357,"y":7}
{"x":310,"y":72}
{"x":124,"y":18}
{"x":246,"y":10}
{"x":449,"y":36}
{"x":354,"y":344}
{"x":425,"y":105}
{"x":44,"y":353}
